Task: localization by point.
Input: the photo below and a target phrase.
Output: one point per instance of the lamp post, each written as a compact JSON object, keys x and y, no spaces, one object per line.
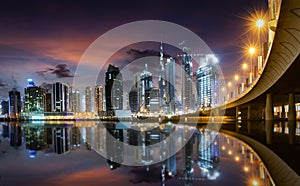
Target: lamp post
{"x":259,"y":24}
{"x":244,"y":66}
{"x":251,"y":51}
{"x":236,"y":79}
{"x":229,"y":84}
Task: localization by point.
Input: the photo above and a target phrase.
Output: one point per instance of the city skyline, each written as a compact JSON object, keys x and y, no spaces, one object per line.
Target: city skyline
{"x":48,"y":49}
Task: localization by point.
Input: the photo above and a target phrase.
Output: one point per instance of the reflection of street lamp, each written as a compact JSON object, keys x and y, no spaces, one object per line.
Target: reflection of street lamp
{"x":251,"y":51}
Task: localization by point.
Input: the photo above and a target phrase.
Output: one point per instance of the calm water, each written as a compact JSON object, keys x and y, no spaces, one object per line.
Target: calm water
{"x":144,"y":154}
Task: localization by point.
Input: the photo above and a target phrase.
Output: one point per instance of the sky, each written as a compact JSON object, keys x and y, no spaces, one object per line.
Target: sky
{"x":45,"y":40}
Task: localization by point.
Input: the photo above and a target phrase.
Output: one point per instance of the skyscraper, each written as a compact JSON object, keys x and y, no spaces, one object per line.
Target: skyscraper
{"x":154,"y":105}
{"x":146,"y":85}
{"x":98,"y":98}
{"x":113,"y":89}
{"x":187,"y":82}
{"x":88,"y":99}
{"x":75,"y":101}
{"x":171,"y":82}
{"x":34,"y":98}
{"x":134,"y":100}
{"x":208,"y":82}
{"x":14,"y":103}
{"x":162,"y":79}
{"x":4,"y":107}
{"x":60,"y":97}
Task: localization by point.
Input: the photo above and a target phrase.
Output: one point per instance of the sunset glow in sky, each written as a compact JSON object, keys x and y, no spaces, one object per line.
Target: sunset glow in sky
{"x":45,"y":40}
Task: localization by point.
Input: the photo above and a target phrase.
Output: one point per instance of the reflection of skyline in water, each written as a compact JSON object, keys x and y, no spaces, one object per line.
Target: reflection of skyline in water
{"x":203,"y":158}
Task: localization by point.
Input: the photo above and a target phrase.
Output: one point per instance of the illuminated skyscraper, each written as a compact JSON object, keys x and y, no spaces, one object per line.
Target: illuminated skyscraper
{"x":98,"y":96}
{"x":34,"y":98}
{"x":75,"y":101}
{"x":88,"y":99}
{"x":14,"y":103}
{"x":163,"y":80}
{"x":146,"y":85}
{"x":113,"y":89}
{"x":208,"y":82}
{"x":187,"y":82}
{"x":60,"y":97}
{"x":171,"y":82}
{"x":154,"y":106}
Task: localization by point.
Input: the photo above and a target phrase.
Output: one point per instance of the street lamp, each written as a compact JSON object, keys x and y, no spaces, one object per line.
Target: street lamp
{"x":244,"y":66}
{"x":236,"y":78}
{"x":259,"y":24}
{"x":251,"y":51}
{"x":229,"y":84}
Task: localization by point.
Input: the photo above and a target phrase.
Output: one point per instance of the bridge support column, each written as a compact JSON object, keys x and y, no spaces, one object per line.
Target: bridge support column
{"x":269,"y":118}
{"x":249,"y":114}
{"x":269,"y":107}
{"x":292,"y":118}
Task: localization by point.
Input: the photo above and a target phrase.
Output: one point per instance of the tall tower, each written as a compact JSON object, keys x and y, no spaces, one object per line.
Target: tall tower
{"x":60,"y":97}
{"x":187,"y":82}
{"x":113,"y":89}
{"x":98,"y":96}
{"x":163,"y":80}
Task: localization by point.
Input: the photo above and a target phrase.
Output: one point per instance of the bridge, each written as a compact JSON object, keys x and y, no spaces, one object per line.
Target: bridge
{"x":279,"y":82}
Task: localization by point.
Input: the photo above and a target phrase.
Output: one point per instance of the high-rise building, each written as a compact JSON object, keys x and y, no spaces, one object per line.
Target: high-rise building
{"x":146,"y":85}
{"x":171,"y":82}
{"x":48,"y":107}
{"x":162,"y":79}
{"x":60,"y":97}
{"x":208,"y":83}
{"x":187,"y":81}
{"x":14,"y":103}
{"x":154,"y":104}
{"x":134,"y":100}
{"x":98,"y":98}
{"x":75,"y":101}
{"x":4,"y":107}
{"x":113,"y":89}
{"x":34,"y":98}
{"x":88,"y":99}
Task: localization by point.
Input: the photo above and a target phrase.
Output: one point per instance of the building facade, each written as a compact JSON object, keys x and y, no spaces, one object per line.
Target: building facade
{"x":14,"y":103}
{"x":208,"y":83}
{"x":34,"y":98}
{"x":60,"y":97}
{"x":187,"y":81}
{"x":113,"y":89}
{"x":75,"y":105}
{"x":88,"y":99}
{"x":98,"y":98}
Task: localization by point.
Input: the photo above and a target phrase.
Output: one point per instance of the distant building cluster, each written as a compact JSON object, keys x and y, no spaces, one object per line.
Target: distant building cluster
{"x":199,"y":90}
